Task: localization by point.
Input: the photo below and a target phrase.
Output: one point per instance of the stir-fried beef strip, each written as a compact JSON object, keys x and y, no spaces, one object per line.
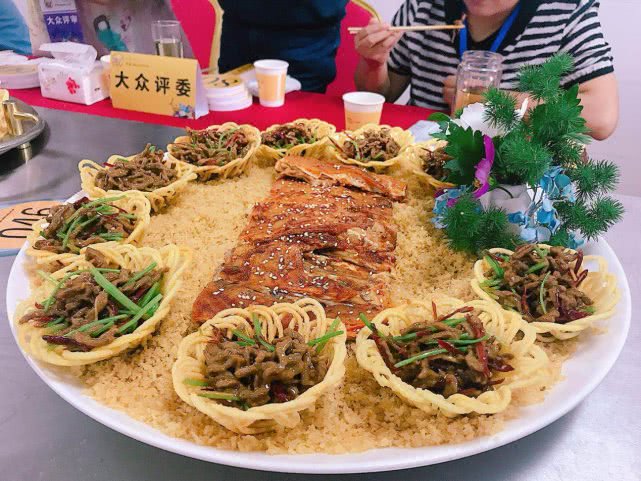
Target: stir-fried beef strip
{"x":145,"y":172}
{"x":434,"y":162}
{"x":82,"y":314}
{"x":287,"y":136}
{"x":543,"y":285}
{"x":376,"y":145}
{"x":248,"y":372}
{"x":212,"y":146}
{"x":449,"y":355}
{"x":82,"y":223}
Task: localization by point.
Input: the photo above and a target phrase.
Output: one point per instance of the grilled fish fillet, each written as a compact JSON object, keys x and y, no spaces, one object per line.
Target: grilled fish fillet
{"x":322,"y":171}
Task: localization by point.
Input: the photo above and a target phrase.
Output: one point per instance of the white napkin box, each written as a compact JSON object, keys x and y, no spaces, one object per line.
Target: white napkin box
{"x":73,"y":75}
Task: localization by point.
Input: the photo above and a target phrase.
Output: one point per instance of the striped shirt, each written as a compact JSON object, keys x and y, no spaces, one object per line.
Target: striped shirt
{"x":541,"y":29}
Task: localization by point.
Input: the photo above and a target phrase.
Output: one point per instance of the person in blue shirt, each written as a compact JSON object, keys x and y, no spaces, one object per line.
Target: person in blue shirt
{"x":14,"y":34}
{"x":304,"y":33}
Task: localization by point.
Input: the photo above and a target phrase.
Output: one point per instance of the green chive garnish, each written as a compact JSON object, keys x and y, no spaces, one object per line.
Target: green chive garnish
{"x":153,"y":291}
{"x":324,"y":338}
{"x":259,"y":335}
{"x":421,"y":356}
{"x":542,"y":294}
{"x":141,"y":274}
{"x":536,"y":267}
{"x":113,"y":291}
{"x":133,"y":323}
{"x":498,"y":270}
{"x":219,"y":395}
{"x":248,"y":340}
{"x":195,"y":382}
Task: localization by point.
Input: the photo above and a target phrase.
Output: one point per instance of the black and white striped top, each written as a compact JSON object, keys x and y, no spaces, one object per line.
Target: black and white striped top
{"x":541,"y":29}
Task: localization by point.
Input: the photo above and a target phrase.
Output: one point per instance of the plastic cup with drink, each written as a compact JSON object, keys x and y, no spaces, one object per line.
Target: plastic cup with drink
{"x":362,"y":108}
{"x":271,"y":75}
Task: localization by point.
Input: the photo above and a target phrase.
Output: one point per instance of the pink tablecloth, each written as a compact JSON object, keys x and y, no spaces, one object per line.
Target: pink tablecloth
{"x":297,"y":105}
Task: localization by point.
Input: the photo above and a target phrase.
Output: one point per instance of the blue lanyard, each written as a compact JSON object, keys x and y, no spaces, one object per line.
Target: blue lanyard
{"x":499,"y":38}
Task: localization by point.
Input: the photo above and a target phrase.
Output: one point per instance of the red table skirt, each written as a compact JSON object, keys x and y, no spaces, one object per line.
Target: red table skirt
{"x":297,"y":105}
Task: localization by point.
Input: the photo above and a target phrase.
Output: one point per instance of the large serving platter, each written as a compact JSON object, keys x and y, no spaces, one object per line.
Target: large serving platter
{"x":594,"y":357}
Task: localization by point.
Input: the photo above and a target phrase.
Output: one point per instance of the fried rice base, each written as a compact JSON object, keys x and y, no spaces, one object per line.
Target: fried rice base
{"x":357,"y":414}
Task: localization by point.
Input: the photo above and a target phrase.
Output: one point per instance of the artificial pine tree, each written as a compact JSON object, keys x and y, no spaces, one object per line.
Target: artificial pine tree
{"x":550,"y":138}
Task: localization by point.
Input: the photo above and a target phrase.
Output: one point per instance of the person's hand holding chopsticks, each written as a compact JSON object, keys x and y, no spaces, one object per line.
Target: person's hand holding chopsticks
{"x":375,"y":41}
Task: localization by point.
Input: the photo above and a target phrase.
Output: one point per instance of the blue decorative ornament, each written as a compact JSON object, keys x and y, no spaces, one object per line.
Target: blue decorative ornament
{"x":444,"y":201}
{"x":558,"y":186}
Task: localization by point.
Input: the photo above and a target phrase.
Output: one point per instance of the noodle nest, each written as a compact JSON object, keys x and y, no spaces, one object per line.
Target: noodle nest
{"x":133,"y":202}
{"x":515,"y":336}
{"x":600,"y":285}
{"x":403,"y":137}
{"x":307,"y":317}
{"x":415,"y":160}
{"x":171,"y":257}
{"x":321,"y":130}
{"x":158,"y":198}
{"x":231,"y":169}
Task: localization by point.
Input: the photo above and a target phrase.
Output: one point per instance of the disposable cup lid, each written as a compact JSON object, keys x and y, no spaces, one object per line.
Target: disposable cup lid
{"x":364,"y":98}
{"x":271,"y":64}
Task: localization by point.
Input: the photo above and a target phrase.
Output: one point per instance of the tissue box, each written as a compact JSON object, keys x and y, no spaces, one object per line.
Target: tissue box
{"x":73,"y":75}
{"x":72,"y":84}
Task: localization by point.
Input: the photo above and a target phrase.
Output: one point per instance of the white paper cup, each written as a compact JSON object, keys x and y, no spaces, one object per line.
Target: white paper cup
{"x":271,"y":75}
{"x":105,"y":60}
{"x":362,"y":108}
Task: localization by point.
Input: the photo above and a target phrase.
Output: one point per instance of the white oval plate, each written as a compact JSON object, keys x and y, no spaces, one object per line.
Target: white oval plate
{"x":583,"y":372}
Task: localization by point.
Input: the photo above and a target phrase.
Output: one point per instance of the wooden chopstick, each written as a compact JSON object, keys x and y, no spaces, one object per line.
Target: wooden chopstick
{"x":412,"y":28}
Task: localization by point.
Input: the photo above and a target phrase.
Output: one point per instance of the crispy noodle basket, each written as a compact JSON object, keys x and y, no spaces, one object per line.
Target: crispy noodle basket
{"x":322,"y":130}
{"x":132,"y":201}
{"x":231,"y":169}
{"x":404,"y":138}
{"x":171,"y":257}
{"x":307,"y":317}
{"x":599,"y":285}
{"x":414,"y":157}
{"x":514,"y":335}
{"x":158,"y":198}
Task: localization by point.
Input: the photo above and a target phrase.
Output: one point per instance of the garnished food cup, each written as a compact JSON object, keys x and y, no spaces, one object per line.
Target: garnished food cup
{"x":376,"y":147}
{"x":428,"y":160}
{"x":107,"y":301}
{"x":552,"y":288}
{"x":254,"y":369}
{"x":73,"y":226}
{"x":158,"y":178}
{"x":304,"y":137}
{"x":217,"y":151}
{"x":451,"y":356}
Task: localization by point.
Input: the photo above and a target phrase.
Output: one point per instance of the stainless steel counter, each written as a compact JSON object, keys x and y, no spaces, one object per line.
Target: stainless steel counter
{"x":44,"y":438}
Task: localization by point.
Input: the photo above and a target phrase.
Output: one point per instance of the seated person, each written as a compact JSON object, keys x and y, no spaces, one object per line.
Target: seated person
{"x":14,"y":34}
{"x":305,"y":34}
{"x":524,"y":32}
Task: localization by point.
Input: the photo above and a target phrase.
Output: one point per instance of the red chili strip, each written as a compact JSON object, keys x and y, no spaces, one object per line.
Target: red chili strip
{"x":579,"y":261}
{"x":479,"y":331}
{"x":380,"y":344}
{"x":108,"y":164}
{"x":581,"y":278}
{"x":449,"y":347}
{"x":66,"y":341}
{"x":524,"y":305}
{"x":460,"y":309}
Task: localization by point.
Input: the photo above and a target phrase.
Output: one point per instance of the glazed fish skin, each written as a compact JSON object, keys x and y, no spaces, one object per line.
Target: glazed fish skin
{"x":312,"y":238}
{"x":315,"y":171}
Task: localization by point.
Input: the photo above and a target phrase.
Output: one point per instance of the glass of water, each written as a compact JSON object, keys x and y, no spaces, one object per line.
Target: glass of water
{"x":167,"y":38}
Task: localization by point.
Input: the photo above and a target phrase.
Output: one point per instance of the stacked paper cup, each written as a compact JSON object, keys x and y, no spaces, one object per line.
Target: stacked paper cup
{"x":227,"y":92}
